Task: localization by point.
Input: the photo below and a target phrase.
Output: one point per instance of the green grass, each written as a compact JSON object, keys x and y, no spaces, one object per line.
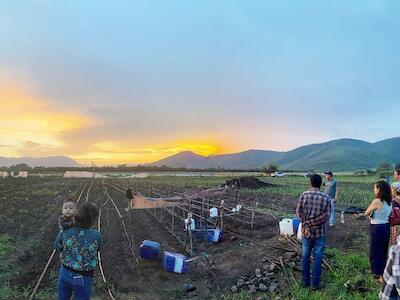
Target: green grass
{"x":350,"y":279}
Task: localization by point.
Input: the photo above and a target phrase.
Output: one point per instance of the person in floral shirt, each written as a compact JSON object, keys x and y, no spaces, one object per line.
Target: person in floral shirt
{"x":78,"y":247}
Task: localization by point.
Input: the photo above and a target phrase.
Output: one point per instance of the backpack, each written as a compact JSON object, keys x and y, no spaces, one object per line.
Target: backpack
{"x":394,"y":218}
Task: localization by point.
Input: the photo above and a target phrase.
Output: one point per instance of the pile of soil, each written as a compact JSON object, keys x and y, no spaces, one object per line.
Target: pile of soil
{"x":247,"y":182}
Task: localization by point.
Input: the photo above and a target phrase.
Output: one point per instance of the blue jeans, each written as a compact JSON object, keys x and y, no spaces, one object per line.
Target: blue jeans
{"x":318,"y":247}
{"x":332,"y":218}
{"x":69,"y":282}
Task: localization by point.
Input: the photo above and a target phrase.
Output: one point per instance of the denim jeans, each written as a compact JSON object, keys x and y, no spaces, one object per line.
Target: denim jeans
{"x":332,"y":218}
{"x":69,"y":282}
{"x":317,"y":245}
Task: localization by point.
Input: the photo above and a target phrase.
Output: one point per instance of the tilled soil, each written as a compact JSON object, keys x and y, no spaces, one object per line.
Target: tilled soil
{"x":218,"y":267}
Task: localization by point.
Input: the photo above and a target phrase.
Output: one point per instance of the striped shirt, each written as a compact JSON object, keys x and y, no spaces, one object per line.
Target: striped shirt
{"x":314,"y":210}
{"x":391,"y":275}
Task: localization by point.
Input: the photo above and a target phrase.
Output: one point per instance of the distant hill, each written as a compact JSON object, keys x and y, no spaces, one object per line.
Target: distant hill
{"x":336,"y":155}
{"x":51,"y":161}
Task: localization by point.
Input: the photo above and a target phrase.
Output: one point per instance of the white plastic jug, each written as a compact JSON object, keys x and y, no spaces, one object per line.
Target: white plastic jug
{"x":213,"y":212}
{"x":286,"y":227}
{"x":192,"y":224}
{"x":299,"y":234}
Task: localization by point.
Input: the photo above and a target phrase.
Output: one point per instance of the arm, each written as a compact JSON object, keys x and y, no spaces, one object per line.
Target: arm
{"x":372,"y":207}
{"x":58,"y":243}
{"x":336,"y":194}
{"x":322,"y":217}
{"x":299,"y":208}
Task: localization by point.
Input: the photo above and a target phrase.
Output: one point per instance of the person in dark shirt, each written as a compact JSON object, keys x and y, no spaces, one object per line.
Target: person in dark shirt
{"x":331,"y":188}
{"x":78,"y":247}
{"x":66,"y":220}
{"x":313,"y":209}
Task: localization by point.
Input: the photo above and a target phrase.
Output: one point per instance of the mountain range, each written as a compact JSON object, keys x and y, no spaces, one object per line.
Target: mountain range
{"x":335,"y":155}
{"x":51,"y":161}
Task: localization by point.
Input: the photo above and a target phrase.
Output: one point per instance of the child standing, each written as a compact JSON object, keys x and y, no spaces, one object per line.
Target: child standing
{"x":78,"y":249}
{"x":66,"y":220}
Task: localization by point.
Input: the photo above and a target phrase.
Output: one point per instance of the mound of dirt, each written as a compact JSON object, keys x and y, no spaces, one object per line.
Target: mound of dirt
{"x":247,"y":182}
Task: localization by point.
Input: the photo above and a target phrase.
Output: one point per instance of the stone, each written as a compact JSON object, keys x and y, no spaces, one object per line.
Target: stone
{"x":263,"y":287}
{"x":264,"y":259}
{"x":234,"y":289}
{"x":252,"y":289}
{"x":240,"y":282}
{"x":189,"y":287}
{"x":272,"y":267}
{"x":258,"y":272}
{"x":265,"y":267}
{"x":273,"y":287}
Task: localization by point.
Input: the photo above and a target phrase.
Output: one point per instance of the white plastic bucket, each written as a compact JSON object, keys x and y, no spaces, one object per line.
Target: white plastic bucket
{"x":213,"y":212}
{"x":286,"y":227}
{"x":192,"y":224}
{"x":299,"y":234}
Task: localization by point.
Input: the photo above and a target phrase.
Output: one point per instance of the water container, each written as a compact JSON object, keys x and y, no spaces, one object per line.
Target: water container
{"x":213,"y":212}
{"x":174,"y":262}
{"x":149,"y":249}
{"x":299,"y":233}
{"x":296,"y":223}
{"x":286,"y":227}
{"x":213,"y":235}
{"x":192,"y":224}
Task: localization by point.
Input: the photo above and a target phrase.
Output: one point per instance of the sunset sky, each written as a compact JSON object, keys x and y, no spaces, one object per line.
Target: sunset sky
{"x":136,"y":81}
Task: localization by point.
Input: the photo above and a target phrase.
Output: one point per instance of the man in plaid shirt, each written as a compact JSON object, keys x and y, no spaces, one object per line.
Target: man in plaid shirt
{"x":313,"y":209}
{"x":391,"y":276}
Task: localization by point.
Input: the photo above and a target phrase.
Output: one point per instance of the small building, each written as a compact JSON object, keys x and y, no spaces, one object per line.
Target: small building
{"x":4,"y":174}
{"x":79,"y":174}
{"x":22,"y":174}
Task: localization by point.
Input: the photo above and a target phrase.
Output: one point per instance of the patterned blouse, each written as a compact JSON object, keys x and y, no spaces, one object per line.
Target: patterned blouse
{"x":78,"y":248}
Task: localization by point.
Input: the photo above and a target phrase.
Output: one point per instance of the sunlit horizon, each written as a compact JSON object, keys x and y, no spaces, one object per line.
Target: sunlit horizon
{"x":135,"y":83}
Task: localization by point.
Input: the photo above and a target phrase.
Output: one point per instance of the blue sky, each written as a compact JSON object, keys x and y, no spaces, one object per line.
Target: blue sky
{"x":139,"y":80}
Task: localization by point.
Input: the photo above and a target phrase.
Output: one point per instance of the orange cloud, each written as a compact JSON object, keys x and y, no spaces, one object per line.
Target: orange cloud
{"x":26,"y":121}
{"x":117,"y":152}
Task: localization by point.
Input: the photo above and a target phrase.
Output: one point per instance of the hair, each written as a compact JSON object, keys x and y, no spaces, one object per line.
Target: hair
{"x":69,"y":200}
{"x":385,"y":192}
{"x":315,"y":181}
{"x":397,"y":171}
{"x":86,"y":215}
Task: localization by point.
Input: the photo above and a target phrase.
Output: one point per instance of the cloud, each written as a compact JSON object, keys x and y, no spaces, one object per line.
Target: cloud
{"x":29,"y":125}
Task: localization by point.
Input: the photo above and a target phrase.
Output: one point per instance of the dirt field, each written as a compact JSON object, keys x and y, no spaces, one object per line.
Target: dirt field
{"x":29,"y":210}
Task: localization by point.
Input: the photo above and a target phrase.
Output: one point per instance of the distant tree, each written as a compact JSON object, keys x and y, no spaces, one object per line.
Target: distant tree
{"x":383,"y":166}
{"x":360,"y":172}
{"x":369,"y":172}
{"x":20,"y":167}
{"x":270,"y":168}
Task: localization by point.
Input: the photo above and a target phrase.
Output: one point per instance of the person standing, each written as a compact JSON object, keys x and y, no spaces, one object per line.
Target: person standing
{"x":396,"y":174}
{"x":332,"y":190}
{"x":313,"y":209}
{"x":379,"y":212}
{"x":394,"y":228}
{"x":78,"y":247}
